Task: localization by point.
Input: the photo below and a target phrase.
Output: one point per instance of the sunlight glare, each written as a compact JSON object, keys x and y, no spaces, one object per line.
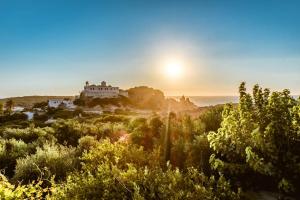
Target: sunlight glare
{"x":173,"y":69}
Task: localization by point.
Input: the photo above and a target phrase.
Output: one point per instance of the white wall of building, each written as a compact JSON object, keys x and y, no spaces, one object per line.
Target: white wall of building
{"x":55,"y":103}
{"x":102,"y":91}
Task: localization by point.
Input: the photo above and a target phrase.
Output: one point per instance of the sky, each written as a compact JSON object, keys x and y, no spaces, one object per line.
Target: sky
{"x":52,"y":47}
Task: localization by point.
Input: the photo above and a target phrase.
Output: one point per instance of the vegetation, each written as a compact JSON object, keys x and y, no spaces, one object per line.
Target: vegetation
{"x":1,"y":108}
{"x":222,"y":153}
{"x":146,"y":98}
{"x":141,"y":97}
{"x":260,"y":140}
{"x":9,"y":106}
{"x":29,"y":101}
{"x":120,"y":101}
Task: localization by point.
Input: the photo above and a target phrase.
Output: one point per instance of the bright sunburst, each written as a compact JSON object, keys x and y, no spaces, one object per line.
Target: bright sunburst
{"x":173,"y":69}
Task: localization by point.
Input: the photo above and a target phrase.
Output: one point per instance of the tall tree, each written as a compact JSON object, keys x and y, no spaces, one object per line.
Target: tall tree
{"x":167,"y":143}
{"x":260,"y":137}
{"x":9,"y":105}
{"x":1,"y":108}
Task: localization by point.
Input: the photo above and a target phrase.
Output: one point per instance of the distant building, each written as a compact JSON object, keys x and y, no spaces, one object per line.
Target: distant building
{"x":102,"y":91}
{"x":17,"y":109}
{"x":55,"y":103}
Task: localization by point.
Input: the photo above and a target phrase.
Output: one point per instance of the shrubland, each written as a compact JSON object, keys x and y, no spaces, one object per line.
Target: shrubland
{"x":220,"y":154}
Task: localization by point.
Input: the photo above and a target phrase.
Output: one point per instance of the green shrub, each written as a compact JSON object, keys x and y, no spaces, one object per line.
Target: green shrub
{"x":117,"y":153}
{"x":10,"y":151}
{"x":112,"y":119}
{"x":259,"y":141}
{"x":212,"y":118}
{"x":31,"y":191}
{"x":70,"y":131}
{"x":87,"y":143}
{"x":115,"y":171}
{"x":50,"y":160}
{"x":28,"y":134}
{"x":198,"y":154}
{"x":13,"y":117}
{"x":137,"y":122}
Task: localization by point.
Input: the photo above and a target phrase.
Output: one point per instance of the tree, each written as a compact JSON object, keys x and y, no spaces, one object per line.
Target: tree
{"x":145,"y":97}
{"x":167,"y":142}
{"x":155,"y":125}
{"x":1,"y":108}
{"x":9,"y":105}
{"x":212,"y":118}
{"x":260,"y":138}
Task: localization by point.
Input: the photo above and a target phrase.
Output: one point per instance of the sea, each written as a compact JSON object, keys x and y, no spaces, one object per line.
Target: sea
{"x":203,"y":101}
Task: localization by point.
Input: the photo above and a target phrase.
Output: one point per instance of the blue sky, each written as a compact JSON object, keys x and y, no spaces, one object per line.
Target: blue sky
{"x":52,"y":47}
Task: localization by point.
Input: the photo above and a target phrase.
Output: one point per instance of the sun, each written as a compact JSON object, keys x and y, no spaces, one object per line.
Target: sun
{"x":173,"y":69}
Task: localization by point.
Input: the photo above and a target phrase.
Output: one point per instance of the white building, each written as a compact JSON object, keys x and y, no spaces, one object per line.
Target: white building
{"x":55,"y":103}
{"x":18,"y":109}
{"x":102,"y":91}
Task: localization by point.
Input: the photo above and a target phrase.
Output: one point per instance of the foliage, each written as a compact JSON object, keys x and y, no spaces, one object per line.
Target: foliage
{"x":198,"y":154}
{"x":29,"y":134}
{"x":146,"y":98}
{"x":260,"y":138}
{"x":70,"y":131}
{"x":29,"y":101}
{"x":9,"y":104}
{"x":145,"y":132}
{"x":79,"y":102}
{"x":13,"y":117}
{"x":42,"y":104}
{"x":115,"y":171}
{"x":119,"y":101}
{"x":33,"y":190}
{"x":1,"y":108}
{"x":10,"y":151}
{"x":87,"y":143}
{"x":48,"y":161}
{"x":212,"y":118}
{"x":60,"y":113}
{"x":254,"y":145}
{"x":112,"y":118}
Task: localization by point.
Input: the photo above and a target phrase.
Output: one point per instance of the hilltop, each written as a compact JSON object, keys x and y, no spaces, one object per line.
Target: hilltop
{"x":140,"y":97}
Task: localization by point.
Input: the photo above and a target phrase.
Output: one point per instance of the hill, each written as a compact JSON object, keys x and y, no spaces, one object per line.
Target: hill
{"x":27,"y":101}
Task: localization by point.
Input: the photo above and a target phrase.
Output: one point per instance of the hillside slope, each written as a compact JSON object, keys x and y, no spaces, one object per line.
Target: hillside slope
{"x":27,"y":101}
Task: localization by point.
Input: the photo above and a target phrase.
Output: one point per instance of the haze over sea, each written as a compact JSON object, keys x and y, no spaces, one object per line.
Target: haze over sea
{"x":210,"y":100}
{"x":202,"y":101}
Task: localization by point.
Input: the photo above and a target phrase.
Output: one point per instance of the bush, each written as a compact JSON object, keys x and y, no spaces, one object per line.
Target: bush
{"x":40,"y":104}
{"x":110,"y":182}
{"x":113,"y":119}
{"x":212,"y":118}
{"x":28,"y":134}
{"x":199,"y":153}
{"x":70,"y":131}
{"x":115,"y":171}
{"x":40,"y":117}
{"x":13,"y":117}
{"x":259,"y":140}
{"x":31,"y":191}
{"x":117,"y":153}
{"x":87,"y":143}
{"x":50,"y":160}
{"x":119,"y":101}
{"x":10,"y":151}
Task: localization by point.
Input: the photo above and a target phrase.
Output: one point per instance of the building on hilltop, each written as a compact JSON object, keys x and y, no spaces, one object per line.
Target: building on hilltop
{"x":102,"y":91}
